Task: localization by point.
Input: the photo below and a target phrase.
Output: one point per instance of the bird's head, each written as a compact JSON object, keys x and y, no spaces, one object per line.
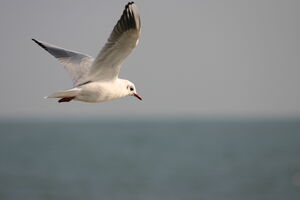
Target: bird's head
{"x":130,"y":88}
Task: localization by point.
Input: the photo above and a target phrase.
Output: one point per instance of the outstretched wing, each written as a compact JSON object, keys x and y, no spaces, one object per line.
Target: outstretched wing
{"x":121,"y":42}
{"x":77,"y":64}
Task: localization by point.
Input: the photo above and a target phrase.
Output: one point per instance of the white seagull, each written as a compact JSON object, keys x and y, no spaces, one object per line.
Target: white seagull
{"x":96,"y":80}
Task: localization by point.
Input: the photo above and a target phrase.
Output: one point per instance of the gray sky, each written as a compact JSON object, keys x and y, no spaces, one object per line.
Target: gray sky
{"x":205,"y":57}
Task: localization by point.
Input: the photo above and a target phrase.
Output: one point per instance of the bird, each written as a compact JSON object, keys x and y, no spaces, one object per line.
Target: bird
{"x":97,"y":79}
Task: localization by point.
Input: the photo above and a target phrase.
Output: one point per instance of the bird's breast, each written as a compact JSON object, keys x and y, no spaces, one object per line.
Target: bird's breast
{"x":99,"y":92}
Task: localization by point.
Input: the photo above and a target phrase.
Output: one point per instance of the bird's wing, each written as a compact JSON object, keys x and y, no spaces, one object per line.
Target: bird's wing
{"x":121,"y":42}
{"x":77,"y":64}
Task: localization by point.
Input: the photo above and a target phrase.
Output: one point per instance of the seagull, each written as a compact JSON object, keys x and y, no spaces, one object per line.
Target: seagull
{"x":96,"y":80}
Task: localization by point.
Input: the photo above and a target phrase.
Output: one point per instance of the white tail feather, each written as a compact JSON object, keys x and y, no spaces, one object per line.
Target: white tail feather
{"x":67,"y":93}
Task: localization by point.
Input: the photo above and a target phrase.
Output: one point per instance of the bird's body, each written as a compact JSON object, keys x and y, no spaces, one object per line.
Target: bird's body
{"x":101,"y":91}
{"x":96,"y":80}
{"x":93,"y":92}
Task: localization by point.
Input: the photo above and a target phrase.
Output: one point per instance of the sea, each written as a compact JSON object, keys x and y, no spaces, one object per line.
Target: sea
{"x":150,"y":159}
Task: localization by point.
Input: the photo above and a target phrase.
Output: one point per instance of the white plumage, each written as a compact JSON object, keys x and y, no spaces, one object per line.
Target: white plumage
{"x":96,"y":80}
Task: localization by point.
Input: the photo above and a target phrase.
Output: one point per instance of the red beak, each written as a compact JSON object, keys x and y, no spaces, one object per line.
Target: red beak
{"x":137,"y":96}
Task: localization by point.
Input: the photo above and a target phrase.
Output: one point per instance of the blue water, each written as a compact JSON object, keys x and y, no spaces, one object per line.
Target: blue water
{"x":150,"y":159}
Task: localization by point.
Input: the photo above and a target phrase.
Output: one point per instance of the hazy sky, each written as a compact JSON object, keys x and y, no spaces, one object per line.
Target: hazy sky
{"x":204,"y":57}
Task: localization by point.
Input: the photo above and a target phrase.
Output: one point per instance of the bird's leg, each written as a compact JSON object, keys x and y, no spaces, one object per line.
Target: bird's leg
{"x":66,"y":99}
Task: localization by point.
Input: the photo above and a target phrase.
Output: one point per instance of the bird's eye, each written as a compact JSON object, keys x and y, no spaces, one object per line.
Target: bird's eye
{"x":131,"y":89}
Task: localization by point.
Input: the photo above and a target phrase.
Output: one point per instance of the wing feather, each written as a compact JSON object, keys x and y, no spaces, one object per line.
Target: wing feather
{"x":120,"y":44}
{"x":76,"y":64}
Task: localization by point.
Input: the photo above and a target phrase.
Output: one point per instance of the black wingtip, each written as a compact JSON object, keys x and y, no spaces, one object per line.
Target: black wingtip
{"x":40,"y":44}
{"x":36,"y":41}
{"x":129,"y":3}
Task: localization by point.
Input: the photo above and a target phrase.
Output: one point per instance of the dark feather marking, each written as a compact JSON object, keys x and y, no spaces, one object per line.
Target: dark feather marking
{"x":81,"y":84}
{"x":65,"y":99}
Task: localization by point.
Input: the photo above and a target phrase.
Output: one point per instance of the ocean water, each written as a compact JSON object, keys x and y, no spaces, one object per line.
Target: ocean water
{"x":150,"y":159}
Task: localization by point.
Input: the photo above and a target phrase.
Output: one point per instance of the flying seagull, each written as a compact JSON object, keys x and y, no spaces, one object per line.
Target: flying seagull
{"x":96,"y":80}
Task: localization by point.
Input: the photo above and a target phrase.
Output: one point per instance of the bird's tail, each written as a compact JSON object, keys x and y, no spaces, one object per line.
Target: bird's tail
{"x":65,"y":96}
